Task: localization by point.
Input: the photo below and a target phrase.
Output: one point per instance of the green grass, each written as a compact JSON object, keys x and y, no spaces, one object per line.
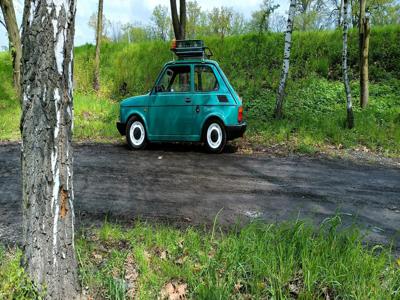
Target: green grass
{"x":95,"y":118}
{"x":315,"y":117}
{"x":259,"y":261}
{"x":14,"y":283}
{"x":10,"y":111}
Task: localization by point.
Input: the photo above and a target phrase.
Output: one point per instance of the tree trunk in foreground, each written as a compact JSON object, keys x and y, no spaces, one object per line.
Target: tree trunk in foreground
{"x":364,"y":32}
{"x":99,"y":31}
{"x":179,"y":23}
{"x":14,"y":38}
{"x":46,"y":152}
{"x":350,"y":117}
{"x":286,"y":61}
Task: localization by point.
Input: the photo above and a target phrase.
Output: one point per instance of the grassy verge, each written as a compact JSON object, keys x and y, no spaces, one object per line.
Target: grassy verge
{"x":315,"y":118}
{"x":259,"y":261}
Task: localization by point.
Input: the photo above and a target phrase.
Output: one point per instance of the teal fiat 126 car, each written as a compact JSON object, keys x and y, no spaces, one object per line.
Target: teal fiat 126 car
{"x":191,"y":101}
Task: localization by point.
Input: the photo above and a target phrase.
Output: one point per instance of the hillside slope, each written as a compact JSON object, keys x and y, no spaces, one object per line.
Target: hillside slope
{"x":315,"y":102}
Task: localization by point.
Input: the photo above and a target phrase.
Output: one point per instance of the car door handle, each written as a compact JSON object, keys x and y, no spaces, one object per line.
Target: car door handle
{"x":188,"y":100}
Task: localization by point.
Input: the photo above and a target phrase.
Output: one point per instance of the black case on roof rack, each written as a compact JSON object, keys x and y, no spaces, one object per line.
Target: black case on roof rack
{"x":187,"y":49}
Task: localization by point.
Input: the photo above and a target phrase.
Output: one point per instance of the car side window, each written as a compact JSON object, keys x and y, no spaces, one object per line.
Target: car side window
{"x":205,"y":80}
{"x":175,"y":79}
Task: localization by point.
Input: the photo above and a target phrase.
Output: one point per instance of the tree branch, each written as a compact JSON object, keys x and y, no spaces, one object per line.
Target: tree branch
{"x":182,"y":18}
{"x":2,"y":23}
{"x":175,"y":18}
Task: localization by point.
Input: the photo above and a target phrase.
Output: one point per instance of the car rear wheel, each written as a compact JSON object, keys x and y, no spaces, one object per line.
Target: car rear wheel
{"x":136,"y":134}
{"x":215,"y":136}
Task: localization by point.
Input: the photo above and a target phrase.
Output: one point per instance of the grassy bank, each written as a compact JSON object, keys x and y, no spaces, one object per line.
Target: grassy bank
{"x":315,"y":103}
{"x":257,"y":262}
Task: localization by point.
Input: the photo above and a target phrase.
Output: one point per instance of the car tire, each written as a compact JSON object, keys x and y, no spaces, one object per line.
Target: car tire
{"x":136,"y":135}
{"x":214,"y":136}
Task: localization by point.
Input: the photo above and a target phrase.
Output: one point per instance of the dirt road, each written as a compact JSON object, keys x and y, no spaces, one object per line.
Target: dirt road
{"x":182,"y":184}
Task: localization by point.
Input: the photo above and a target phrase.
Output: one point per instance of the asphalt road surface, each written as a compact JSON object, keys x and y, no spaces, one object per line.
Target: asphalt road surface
{"x":182,"y":184}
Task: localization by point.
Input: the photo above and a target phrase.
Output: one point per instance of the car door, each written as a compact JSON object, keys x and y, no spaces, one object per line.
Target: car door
{"x":211,"y":94}
{"x":171,"y":107}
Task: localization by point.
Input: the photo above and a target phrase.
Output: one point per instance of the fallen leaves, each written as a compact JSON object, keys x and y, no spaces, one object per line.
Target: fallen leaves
{"x":327,"y":294}
{"x":162,"y":254}
{"x":181,"y":260}
{"x":174,"y":290}
{"x":98,"y":258}
{"x":86,"y":115}
{"x":238,"y":287}
{"x":296,"y":284}
{"x":131,"y":276}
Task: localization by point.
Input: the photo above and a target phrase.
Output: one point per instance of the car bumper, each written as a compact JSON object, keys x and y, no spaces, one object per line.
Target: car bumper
{"x":236,"y":131}
{"x":121,"y":128}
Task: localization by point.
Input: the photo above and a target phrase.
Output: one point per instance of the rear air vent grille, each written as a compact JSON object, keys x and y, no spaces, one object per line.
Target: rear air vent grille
{"x":222,"y":98}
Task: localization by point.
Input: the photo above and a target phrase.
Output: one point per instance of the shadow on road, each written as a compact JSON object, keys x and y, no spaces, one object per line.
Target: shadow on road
{"x":183,"y":147}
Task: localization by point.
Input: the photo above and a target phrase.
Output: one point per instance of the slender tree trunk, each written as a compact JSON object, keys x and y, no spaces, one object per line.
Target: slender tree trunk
{"x":99,"y":31}
{"x":340,"y":14}
{"x":349,"y":106}
{"x":179,"y":21}
{"x":46,"y":152}
{"x":14,"y":38}
{"x":182,"y":18}
{"x":364,"y":31}
{"x":286,"y":62}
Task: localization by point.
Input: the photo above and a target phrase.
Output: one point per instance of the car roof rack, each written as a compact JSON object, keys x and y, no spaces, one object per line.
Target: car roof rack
{"x":189,"y":49}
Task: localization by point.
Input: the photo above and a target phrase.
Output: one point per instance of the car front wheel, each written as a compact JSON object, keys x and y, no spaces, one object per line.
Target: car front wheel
{"x":215,"y":137}
{"x":136,"y":134}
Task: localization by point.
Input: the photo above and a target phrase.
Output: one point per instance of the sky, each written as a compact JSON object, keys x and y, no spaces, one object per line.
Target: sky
{"x":132,"y":11}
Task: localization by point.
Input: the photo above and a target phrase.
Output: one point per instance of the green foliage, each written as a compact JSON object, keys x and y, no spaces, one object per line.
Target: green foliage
{"x":95,"y":118}
{"x":161,"y":21}
{"x":251,"y":62}
{"x":14,"y":283}
{"x":315,"y":115}
{"x":9,"y":103}
{"x":258,"y":261}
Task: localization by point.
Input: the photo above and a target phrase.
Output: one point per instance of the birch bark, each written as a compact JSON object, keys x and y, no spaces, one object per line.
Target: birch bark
{"x":286,"y":62}
{"x":349,"y":106}
{"x":364,"y":32}
{"x":46,"y":152}
{"x":99,"y":31}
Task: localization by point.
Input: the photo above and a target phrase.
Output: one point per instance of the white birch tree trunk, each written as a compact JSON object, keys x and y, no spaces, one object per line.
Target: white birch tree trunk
{"x":286,"y":61}
{"x":349,"y":106}
{"x":99,"y":33}
{"x":364,"y":34}
{"x":46,"y":153}
{"x":340,"y":14}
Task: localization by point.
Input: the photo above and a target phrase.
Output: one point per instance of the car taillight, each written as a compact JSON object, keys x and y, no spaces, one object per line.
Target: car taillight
{"x":240,"y":114}
{"x":173,"y":44}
